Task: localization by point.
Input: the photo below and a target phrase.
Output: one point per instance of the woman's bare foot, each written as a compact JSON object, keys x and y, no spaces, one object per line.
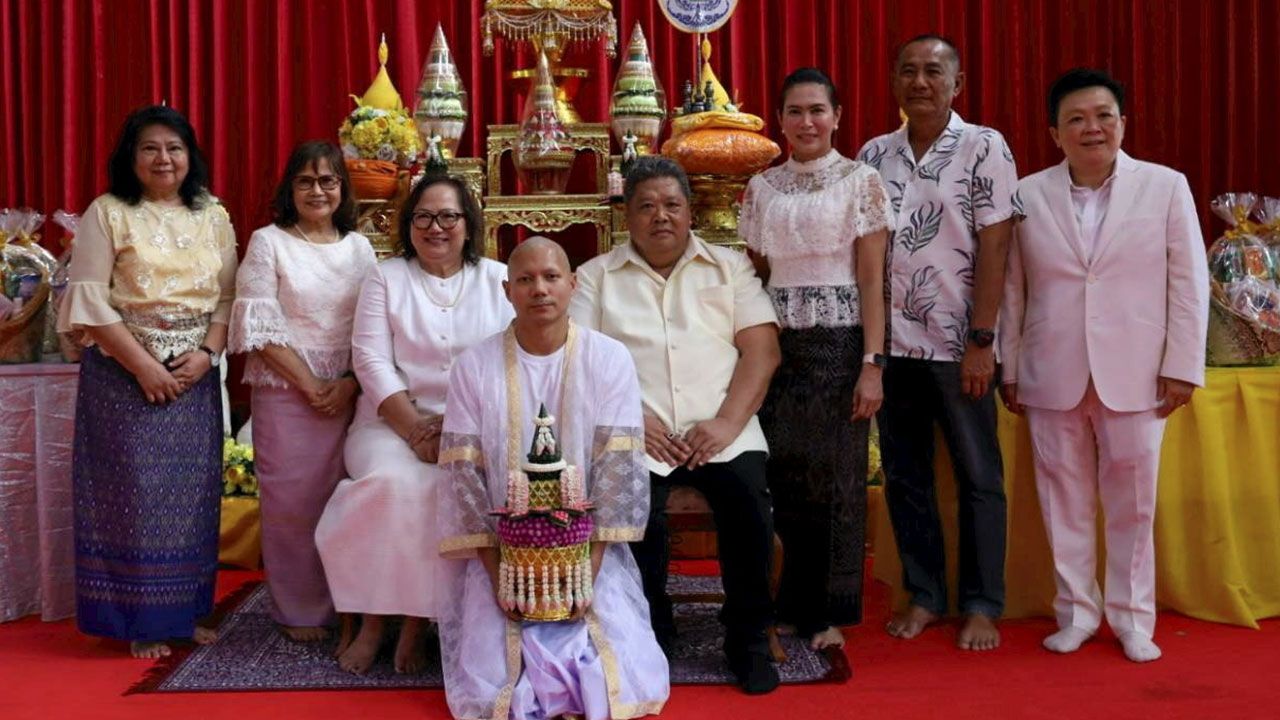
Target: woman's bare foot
{"x":346,"y":632}
{"x":204,"y":636}
{"x":305,"y":634}
{"x":149,"y":650}
{"x":411,"y":656}
{"x":831,"y":637}
{"x":910,"y":623}
{"x":359,"y":655}
{"x":978,"y":633}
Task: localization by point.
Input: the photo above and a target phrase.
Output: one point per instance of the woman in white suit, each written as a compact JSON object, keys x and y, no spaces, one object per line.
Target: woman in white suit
{"x":1102,"y":337}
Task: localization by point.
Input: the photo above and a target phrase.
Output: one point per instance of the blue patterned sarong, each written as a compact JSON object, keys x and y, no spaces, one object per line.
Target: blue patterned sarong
{"x":147,"y":482}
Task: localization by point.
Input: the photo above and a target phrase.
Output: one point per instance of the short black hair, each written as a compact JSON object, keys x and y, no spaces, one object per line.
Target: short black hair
{"x":929,"y":37}
{"x":808,"y":76}
{"x":309,"y":154}
{"x":1079,"y":79}
{"x":471,"y":214}
{"x":653,"y":167}
{"x":123,"y":182}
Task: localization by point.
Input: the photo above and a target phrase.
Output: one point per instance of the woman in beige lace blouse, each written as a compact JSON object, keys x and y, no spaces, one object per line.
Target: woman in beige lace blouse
{"x":151,"y":286}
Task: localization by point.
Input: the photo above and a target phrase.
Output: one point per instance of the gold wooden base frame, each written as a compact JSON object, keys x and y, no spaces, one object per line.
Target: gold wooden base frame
{"x":547,"y":213}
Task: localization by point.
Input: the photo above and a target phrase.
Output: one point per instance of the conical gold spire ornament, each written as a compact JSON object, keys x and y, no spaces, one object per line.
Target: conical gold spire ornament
{"x":639,"y":104}
{"x":544,"y":153}
{"x":719,"y":98}
{"x":442,"y":100}
{"x":382,"y":93}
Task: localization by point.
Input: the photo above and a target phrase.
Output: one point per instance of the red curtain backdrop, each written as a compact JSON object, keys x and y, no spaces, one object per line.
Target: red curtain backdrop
{"x":257,"y":76}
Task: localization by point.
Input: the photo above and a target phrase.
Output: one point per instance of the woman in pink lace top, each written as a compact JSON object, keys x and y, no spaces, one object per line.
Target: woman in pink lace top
{"x":817,"y":227}
{"x":295,"y":299}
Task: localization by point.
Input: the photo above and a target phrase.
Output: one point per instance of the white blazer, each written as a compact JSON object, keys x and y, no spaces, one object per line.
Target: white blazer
{"x":1137,"y":311}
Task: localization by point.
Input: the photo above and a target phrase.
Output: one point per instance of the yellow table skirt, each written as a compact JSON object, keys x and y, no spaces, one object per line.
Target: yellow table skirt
{"x":1217,"y":526}
{"x":240,"y":535}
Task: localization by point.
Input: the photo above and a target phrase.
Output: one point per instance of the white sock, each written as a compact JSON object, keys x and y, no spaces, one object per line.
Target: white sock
{"x":1138,"y":647}
{"x":1067,"y":640}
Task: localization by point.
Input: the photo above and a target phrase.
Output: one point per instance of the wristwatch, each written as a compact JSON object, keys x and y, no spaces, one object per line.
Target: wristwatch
{"x":875,"y":359}
{"x":214,"y":358}
{"x":982,"y":337}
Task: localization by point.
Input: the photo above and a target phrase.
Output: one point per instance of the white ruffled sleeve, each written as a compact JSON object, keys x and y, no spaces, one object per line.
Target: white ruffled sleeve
{"x":873,"y":212}
{"x":88,"y":297}
{"x":257,"y":319}
{"x":748,"y":215}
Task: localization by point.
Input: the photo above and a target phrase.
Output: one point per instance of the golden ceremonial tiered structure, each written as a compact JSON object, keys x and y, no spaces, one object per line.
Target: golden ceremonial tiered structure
{"x":719,"y":146}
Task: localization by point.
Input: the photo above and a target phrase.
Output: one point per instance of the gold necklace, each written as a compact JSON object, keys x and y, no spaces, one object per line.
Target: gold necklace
{"x":426,"y":286}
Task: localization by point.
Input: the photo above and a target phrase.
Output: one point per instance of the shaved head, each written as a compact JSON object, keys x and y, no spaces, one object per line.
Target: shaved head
{"x":536,"y":246}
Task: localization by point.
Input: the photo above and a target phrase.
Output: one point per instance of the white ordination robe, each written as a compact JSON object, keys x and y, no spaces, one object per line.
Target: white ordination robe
{"x":609,"y":664}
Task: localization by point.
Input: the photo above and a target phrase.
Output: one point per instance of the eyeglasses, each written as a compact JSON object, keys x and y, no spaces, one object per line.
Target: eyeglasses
{"x":303,"y":183}
{"x":446,"y":219}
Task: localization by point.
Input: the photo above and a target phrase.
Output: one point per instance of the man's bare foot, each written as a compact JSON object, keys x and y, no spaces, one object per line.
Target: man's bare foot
{"x":910,"y":623}
{"x":978,"y":633}
{"x":360,"y":653}
{"x":204,"y":635}
{"x":149,"y":650}
{"x":831,"y":637}
{"x":304,"y":633}
{"x":411,"y":656}
{"x":346,"y":632}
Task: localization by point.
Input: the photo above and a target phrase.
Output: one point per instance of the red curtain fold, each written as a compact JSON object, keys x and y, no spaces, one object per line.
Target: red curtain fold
{"x":257,"y":76}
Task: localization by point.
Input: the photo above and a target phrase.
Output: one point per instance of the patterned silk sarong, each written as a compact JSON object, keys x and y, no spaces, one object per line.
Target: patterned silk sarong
{"x":818,"y":476}
{"x":147,"y":484}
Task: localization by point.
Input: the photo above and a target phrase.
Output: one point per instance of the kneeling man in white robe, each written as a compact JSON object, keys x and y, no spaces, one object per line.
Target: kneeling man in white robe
{"x":604,"y":662}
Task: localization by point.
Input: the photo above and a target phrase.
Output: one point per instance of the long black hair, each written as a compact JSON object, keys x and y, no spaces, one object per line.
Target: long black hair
{"x":309,"y":154}
{"x":123,"y":182}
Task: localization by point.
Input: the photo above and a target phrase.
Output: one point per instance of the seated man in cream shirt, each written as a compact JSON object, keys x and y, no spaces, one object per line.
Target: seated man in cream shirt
{"x":704,"y":338}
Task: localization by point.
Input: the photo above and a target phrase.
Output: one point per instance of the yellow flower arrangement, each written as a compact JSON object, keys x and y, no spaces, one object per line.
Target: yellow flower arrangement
{"x":238,"y":477}
{"x":371,"y":133}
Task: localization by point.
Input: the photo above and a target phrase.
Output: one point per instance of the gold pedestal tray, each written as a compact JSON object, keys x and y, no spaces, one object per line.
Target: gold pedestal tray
{"x":591,"y":137}
{"x":547,"y":213}
{"x":715,"y":207}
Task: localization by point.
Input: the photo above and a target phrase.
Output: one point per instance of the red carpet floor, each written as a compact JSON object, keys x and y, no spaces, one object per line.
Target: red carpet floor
{"x":48,"y":670}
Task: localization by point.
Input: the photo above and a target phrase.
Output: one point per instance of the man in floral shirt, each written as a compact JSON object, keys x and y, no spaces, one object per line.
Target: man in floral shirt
{"x":951,"y":184}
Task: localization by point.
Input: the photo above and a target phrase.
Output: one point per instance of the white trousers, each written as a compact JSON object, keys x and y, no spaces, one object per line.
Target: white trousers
{"x":1081,"y":455}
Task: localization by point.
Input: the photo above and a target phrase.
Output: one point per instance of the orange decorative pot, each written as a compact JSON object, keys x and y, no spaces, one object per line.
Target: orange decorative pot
{"x":373,"y":179}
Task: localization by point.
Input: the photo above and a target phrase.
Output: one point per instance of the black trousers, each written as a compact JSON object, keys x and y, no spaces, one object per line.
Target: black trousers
{"x":739,"y":500}
{"x":916,"y":394}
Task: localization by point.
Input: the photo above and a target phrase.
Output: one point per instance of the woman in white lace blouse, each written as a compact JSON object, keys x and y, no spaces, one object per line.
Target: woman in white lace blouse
{"x":295,"y":298}
{"x":817,"y":227}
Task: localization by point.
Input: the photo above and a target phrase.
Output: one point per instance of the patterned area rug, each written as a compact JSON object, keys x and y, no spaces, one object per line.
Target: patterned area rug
{"x":252,"y":655}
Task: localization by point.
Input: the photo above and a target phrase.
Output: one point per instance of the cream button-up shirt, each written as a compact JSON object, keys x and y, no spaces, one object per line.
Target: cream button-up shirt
{"x":680,"y":330}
